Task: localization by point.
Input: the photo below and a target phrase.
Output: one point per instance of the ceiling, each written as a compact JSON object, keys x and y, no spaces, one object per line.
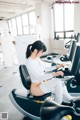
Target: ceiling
{"x":11,"y":8}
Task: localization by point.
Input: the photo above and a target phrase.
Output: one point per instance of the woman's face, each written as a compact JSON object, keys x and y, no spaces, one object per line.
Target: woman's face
{"x":39,"y":54}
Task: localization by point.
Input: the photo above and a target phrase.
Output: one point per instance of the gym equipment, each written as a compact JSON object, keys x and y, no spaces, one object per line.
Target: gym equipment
{"x":62,"y":58}
{"x":71,"y":49}
{"x":51,"y":57}
{"x":71,"y":52}
{"x":50,"y":110}
{"x":73,"y":86}
{"x":37,"y":108}
{"x":78,"y":37}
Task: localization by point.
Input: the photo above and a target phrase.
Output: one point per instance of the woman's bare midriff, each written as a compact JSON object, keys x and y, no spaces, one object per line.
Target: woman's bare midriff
{"x":35,"y":89}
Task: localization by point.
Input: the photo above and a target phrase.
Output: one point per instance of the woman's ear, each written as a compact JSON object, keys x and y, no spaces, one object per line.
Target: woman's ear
{"x":36,"y":51}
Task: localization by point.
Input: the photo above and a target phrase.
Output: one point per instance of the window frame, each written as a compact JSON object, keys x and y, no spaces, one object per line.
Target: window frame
{"x":64,"y":31}
{"x":22,"y":24}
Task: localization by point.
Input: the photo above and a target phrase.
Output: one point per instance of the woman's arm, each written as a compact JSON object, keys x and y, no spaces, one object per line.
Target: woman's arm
{"x":36,"y":76}
{"x":50,"y":68}
{"x":50,"y":75}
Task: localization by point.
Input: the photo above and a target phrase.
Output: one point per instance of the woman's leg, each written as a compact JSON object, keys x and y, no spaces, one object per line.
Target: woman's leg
{"x":54,"y":85}
{"x":59,"y":92}
{"x":66,"y":95}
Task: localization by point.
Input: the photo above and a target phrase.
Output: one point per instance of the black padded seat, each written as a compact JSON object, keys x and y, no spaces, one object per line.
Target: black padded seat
{"x":26,"y":81}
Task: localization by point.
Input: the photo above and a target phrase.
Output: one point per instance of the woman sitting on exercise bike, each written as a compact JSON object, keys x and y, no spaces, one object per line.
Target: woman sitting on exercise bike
{"x":42,"y":81}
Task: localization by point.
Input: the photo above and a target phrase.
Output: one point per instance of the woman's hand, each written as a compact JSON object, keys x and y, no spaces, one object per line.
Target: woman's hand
{"x":61,"y":65}
{"x":58,"y":73}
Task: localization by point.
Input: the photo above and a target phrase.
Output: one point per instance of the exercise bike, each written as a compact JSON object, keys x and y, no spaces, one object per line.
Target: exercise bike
{"x":40,"y":108}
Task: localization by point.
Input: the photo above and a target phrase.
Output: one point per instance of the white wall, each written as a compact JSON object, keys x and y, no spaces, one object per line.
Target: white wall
{"x":77,"y":18}
{"x":58,"y":46}
{"x":43,"y":23}
{"x":21,"y":46}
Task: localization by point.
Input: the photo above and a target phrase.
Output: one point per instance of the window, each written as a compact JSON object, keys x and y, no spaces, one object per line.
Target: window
{"x":32,"y":22}
{"x":69,"y":16}
{"x":63,"y":21}
{"x":10,"y":26}
{"x":14,"y":29}
{"x":58,"y":16}
{"x":19,"y":25}
{"x":25,"y":23}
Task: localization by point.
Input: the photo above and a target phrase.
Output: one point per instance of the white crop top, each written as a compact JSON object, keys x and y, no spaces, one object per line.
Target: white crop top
{"x":37,"y":70}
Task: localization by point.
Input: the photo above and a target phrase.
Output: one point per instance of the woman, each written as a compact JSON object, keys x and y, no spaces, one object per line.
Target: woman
{"x":43,"y":81}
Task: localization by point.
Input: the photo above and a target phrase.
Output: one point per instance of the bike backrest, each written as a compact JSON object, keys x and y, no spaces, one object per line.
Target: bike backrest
{"x":25,"y":78}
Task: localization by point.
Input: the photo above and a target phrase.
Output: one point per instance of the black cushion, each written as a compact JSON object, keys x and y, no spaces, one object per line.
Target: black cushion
{"x":25,"y":78}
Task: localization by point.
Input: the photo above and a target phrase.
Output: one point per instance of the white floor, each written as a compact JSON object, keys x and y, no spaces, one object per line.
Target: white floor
{"x":10,"y":79}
